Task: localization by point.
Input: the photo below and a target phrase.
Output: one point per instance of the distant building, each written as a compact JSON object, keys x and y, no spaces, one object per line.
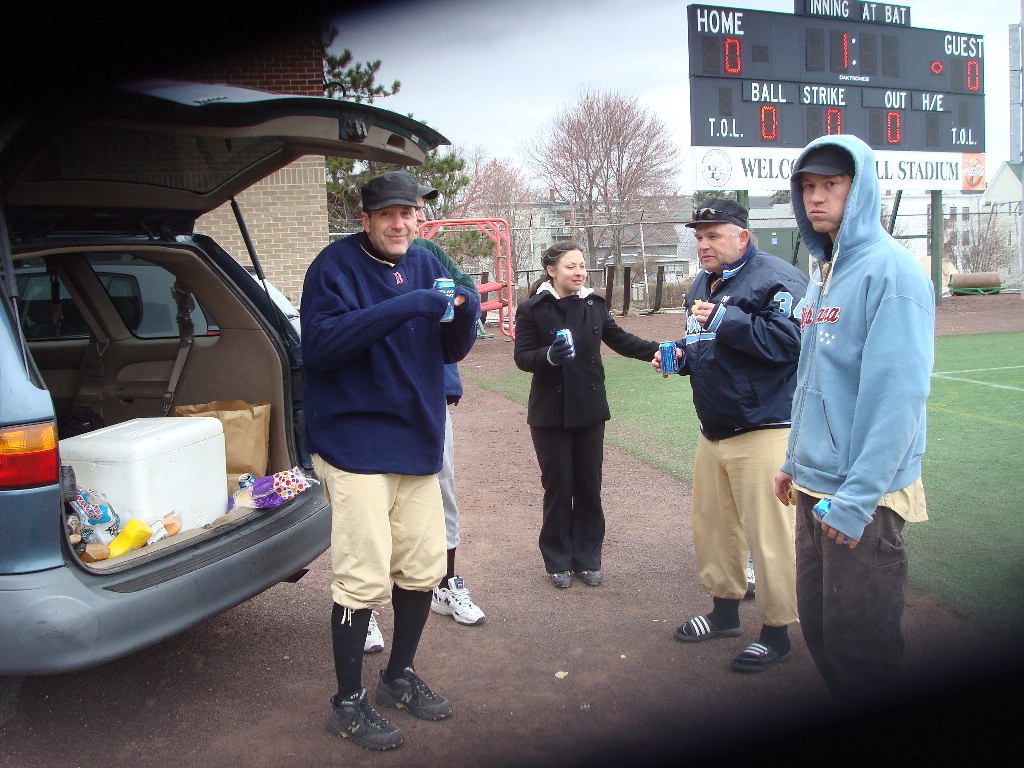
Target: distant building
{"x":1002,"y":198}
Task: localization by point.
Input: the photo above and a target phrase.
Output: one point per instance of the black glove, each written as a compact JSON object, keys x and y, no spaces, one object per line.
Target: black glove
{"x":559,"y":351}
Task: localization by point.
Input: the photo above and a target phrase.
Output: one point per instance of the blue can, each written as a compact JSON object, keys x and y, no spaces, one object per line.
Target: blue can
{"x":821,"y":509}
{"x":447,"y":287}
{"x":668,"y":357}
{"x":566,"y":334}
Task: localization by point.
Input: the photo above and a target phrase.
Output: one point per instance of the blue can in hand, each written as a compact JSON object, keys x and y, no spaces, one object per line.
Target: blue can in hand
{"x":566,"y":334}
{"x":668,"y":357}
{"x":447,"y":287}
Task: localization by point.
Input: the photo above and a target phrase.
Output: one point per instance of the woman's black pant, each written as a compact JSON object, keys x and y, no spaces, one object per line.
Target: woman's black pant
{"x":570,"y":462}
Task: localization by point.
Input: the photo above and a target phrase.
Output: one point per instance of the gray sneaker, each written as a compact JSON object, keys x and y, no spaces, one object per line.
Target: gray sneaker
{"x":409,"y":692}
{"x":355,"y":718}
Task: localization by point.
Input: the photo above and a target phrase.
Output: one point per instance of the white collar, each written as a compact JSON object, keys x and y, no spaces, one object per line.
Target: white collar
{"x":547,"y":286}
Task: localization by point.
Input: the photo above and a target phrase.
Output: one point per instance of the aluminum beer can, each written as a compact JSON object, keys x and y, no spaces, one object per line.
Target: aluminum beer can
{"x":668,"y":357}
{"x":447,"y":287}
{"x":566,"y":334}
{"x":244,"y":481}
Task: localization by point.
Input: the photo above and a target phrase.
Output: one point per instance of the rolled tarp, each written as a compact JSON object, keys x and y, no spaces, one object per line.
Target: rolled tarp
{"x":961,"y":281}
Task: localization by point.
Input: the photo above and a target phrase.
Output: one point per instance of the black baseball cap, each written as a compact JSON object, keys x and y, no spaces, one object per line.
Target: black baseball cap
{"x":716,"y":210}
{"x":826,"y":160}
{"x":392,"y":188}
{"x":427,"y":193}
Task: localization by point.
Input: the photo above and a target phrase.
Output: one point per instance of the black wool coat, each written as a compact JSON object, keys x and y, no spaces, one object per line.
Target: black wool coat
{"x":572,"y":394}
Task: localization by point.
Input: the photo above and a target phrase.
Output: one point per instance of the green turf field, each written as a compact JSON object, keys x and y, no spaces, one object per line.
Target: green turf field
{"x":970,"y":555}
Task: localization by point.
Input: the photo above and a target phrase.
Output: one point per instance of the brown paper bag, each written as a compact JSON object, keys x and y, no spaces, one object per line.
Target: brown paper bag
{"x":246,"y":433}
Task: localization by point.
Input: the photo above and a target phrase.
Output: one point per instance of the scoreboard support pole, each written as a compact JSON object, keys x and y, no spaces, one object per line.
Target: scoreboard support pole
{"x":936,"y":227}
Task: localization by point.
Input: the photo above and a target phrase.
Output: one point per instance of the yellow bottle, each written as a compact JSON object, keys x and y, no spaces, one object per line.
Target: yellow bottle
{"x":134,"y":534}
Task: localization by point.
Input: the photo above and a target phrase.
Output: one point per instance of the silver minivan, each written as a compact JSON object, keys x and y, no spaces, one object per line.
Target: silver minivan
{"x":98,"y":208}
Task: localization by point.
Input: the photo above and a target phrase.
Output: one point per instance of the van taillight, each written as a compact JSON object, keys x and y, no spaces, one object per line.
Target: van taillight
{"x":28,"y":455}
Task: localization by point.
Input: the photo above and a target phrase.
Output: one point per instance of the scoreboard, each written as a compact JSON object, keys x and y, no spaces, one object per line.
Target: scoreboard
{"x":774,"y":81}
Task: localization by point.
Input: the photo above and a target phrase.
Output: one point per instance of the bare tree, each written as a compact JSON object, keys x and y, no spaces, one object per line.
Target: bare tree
{"x":980,"y":244}
{"x":499,"y":189}
{"x":600,"y":155}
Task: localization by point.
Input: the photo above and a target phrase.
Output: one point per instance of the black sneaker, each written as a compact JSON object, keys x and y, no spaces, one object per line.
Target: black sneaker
{"x":561,"y":579}
{"x":355,"y":718}
{"x":591,"y":578}
{"x":409,"y":692}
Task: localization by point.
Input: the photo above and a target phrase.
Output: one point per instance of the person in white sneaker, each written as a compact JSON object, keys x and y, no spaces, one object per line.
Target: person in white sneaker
{"x":450,"y":597}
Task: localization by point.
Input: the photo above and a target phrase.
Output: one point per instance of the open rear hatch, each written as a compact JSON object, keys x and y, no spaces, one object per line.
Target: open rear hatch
{"x":101,"y":197}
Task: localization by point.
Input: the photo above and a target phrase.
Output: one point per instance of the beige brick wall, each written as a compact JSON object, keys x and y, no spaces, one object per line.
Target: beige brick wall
{"x":286,"y":215}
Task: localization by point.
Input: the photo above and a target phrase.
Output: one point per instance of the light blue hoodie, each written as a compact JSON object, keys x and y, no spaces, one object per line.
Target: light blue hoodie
{"x":866,"y":353}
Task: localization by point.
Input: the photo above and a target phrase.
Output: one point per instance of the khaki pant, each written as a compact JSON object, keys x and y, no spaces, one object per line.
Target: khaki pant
{"x":384,"y":529}
{"x":735,"y":513}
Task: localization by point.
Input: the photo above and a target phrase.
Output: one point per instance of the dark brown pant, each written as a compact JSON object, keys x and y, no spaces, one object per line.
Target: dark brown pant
{"x":851,"y":603}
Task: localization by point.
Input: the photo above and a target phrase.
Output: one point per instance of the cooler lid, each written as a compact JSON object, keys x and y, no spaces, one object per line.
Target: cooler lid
{"x":140,"y":439}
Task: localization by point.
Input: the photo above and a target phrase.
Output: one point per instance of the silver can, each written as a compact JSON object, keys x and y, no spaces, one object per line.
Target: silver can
{"x":447,"y":287}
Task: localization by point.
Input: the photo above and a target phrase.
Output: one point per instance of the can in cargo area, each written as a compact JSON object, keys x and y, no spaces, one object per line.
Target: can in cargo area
{"x":668,"y":357}
{"x":447,"y":287}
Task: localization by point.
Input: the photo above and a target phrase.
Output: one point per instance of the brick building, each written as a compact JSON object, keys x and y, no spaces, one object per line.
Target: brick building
{"x":286,"y":213}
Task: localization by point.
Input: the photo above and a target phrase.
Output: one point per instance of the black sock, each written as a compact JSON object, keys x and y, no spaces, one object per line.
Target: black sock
{"x":348,"y":634}
{"x":726,"y":613}
{"x":451,"y":566}
{"x":411,"y":610}
{"x":776,"y":638}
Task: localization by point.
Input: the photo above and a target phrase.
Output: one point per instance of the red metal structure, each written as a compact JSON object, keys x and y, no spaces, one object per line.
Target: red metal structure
{"x":503,"y":284}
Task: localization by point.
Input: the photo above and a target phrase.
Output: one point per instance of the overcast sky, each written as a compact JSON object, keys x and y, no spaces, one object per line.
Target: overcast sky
{"x":493,"y":73}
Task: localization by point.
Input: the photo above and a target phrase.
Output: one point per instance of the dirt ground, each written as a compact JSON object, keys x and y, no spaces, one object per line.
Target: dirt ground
{"x":625,"y":668}
{"x":577,"y":677}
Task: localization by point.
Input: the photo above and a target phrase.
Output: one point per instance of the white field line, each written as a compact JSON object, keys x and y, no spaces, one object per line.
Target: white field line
{"x":979,"y":370}
{"x":946,"y":375}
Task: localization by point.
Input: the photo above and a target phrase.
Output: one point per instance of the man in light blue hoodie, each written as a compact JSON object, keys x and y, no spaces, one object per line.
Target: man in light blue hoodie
{"x":858,"y":434}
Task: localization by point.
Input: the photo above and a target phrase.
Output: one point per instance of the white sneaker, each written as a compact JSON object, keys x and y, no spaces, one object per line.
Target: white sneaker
{"x":453,"y":600}
{"x":374,"y":642}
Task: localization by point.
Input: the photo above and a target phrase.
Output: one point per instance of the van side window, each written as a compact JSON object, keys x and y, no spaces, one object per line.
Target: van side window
{"x":141,"y":291}
{"x":41,"y":316}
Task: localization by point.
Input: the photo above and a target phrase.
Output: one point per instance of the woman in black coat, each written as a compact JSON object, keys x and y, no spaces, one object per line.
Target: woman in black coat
{"x":568,"y":407}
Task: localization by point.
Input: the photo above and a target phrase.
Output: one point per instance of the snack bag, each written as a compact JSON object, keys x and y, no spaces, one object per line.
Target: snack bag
{"x":273,"y":490}
{"x":100,"y":523}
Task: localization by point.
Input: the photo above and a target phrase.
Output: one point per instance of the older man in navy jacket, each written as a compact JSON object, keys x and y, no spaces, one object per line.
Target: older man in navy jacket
{"x":740,"y":352}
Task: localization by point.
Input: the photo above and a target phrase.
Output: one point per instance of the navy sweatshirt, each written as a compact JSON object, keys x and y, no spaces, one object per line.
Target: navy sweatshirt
{"x":374,"y":350}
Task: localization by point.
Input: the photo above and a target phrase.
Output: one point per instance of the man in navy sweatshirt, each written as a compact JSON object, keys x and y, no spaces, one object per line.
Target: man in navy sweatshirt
{"x":854,"y":453}
{"x":374,"y":350}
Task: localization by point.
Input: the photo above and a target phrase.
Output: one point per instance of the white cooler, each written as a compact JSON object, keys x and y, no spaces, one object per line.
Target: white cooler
{"x":148,"y":468}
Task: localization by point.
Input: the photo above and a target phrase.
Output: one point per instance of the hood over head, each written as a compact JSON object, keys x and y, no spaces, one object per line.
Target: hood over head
{"x":862,"y":217}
